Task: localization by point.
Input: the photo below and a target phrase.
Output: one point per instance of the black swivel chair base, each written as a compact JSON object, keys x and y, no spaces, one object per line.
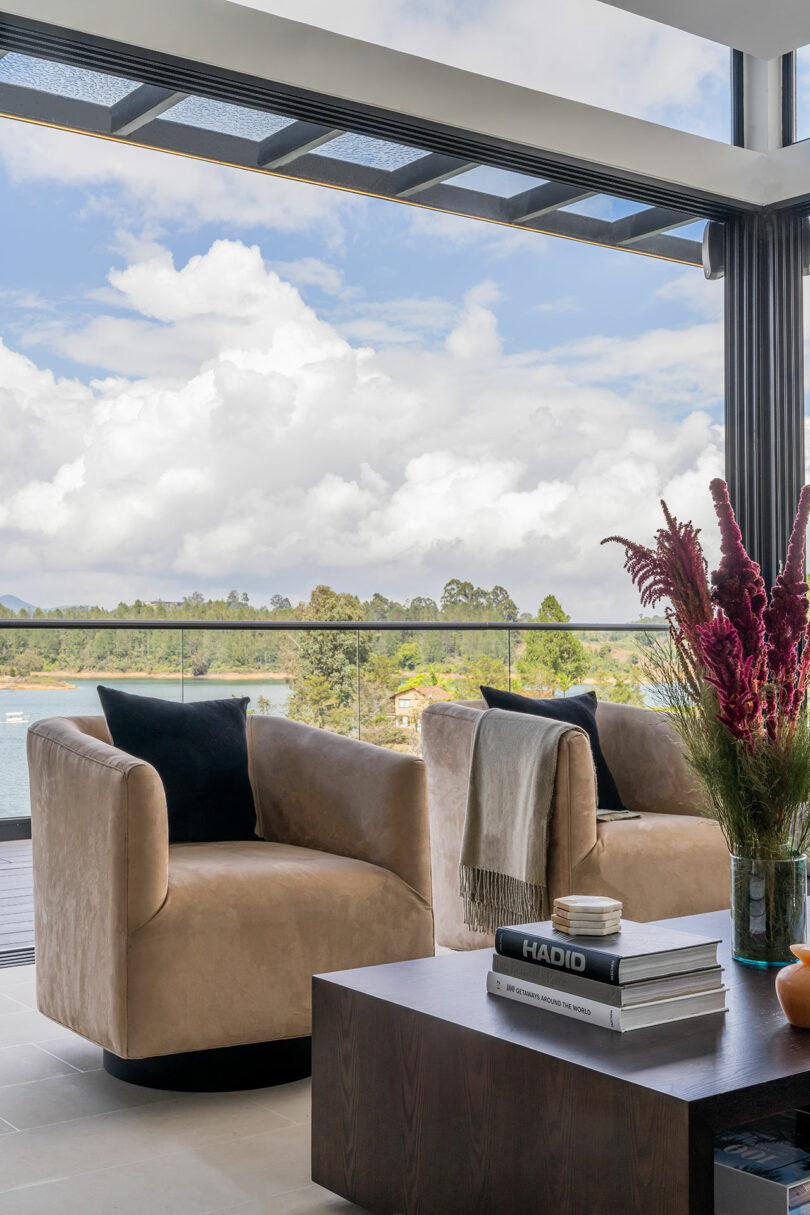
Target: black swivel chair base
{"x":226,"y":1069}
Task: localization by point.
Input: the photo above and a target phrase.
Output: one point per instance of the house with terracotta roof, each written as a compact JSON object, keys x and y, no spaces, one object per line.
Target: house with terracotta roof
{"x":407,"y":705}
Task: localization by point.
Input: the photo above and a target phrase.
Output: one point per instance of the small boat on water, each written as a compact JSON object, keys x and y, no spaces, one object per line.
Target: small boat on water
{"x":16,"y":717}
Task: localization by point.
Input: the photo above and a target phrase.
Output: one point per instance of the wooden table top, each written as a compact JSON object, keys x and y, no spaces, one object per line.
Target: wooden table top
{"x":706,"y":1059}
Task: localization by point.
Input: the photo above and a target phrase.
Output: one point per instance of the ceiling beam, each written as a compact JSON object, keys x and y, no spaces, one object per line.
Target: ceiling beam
{"x":673,"y":248}
{"x":143,"y":105}
{"x":542,"y":199}
{"x":290,"y":142}
{"x":247,"y":56}
{"x":426,"y":172}
{"x":35,"y":105}
{"x":636,"y":227}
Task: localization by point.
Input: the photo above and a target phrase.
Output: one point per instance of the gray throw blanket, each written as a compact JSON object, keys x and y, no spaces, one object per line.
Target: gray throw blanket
{"x":503,"y":852}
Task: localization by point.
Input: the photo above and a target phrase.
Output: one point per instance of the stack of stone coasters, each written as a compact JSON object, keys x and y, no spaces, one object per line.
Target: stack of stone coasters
{"x":587,"y":915}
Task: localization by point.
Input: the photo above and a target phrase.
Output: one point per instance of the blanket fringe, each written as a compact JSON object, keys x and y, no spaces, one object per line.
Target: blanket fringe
{"x":492,"y":900}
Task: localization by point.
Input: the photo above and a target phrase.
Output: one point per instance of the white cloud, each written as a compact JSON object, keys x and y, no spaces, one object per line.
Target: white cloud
{"x":312,"y":272}
{"x":221,"y":300}
{"x":662,"y":366}
{"x":703,"y":297}
{"x":476,"y":334}
{"x":258,"y":447}
{"x":489,"y":239}
{"x":563,"y":303}
{"x":383,"y":322}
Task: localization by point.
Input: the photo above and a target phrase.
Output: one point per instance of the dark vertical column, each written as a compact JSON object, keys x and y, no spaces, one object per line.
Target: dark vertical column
{"x":788,"y":89}
{"x":764,"y":379}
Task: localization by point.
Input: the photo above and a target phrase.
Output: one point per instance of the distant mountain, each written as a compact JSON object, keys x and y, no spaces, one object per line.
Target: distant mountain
{"x":17,"y":605}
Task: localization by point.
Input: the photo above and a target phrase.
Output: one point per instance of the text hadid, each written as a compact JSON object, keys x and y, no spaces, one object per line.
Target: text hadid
{"x":553,"y":955}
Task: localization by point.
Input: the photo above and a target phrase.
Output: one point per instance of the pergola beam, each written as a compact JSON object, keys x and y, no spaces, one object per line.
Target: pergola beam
{"x":425,"y":172}
{"x":35,"y":105}
{"x":672,"y":248}
{"x":543,"y":199}
{"x":634,"y":228}
{"x":292,"y":142}
{"x":140,"y":107}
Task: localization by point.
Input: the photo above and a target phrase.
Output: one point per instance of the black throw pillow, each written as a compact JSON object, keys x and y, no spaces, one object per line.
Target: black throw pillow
{"x":200,"y":753}
{"x":579,"y":711}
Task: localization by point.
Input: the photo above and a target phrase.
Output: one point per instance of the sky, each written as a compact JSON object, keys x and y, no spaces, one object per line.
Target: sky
{"x":213,"y":379}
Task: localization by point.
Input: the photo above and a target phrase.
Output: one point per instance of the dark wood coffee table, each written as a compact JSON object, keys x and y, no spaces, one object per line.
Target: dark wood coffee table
{"x":430,"y":1097}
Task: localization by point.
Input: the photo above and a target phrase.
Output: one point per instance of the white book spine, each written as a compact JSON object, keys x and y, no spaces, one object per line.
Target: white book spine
{"x":556,"y":1001}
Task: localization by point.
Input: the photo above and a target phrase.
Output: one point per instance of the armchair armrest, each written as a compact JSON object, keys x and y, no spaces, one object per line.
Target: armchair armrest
{"x":321,"y":790}
{"x":100,"y":843}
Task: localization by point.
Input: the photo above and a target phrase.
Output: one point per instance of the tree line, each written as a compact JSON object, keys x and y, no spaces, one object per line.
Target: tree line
{"x":157,"y":652}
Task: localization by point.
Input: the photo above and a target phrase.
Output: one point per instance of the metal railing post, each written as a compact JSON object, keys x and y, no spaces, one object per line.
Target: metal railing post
{"x":357,"y":670}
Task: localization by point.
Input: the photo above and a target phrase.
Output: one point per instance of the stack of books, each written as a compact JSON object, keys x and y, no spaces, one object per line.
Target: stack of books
{"x":640,"y":976}
{"x":763,"y":1168}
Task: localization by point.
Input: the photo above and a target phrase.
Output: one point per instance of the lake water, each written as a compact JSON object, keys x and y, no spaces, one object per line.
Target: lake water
{"x":83,"y":699}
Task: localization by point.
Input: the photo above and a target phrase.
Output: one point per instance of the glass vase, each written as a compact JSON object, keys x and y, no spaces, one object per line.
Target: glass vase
{"x":768,"y":908}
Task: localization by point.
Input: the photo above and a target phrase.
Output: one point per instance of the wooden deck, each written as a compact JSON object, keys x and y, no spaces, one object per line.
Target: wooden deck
{"x":16,"y":904}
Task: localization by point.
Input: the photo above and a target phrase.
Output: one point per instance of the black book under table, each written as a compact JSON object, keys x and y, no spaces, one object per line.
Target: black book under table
{"x":430,"y":1097}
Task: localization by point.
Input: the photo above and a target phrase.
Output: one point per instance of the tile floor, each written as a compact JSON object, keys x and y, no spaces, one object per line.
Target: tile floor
{"x":74,"y":1141}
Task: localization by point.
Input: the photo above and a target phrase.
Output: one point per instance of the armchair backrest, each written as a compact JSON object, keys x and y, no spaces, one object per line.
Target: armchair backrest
{"x":646,"y":759}
{"x":316,"y":789}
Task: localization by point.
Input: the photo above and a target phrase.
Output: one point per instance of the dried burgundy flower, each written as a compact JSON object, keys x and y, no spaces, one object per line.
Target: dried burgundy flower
{"x":729,"y":670}
{"x":746,"y":648}
{"x":675,"y":569}
{"x":738,"y":585}
{"x":786,"y":617}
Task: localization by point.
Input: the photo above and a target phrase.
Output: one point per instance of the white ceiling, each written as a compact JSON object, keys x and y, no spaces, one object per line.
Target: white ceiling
{"x":765,"y":28}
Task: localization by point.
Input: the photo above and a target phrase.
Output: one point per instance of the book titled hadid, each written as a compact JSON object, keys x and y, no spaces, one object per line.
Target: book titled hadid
{"x":638,"y":951}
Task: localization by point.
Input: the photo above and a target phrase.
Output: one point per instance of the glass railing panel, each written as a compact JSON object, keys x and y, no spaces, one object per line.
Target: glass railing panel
{"x":481,"y":659}
{"x":56,"y":673}
{"x":616,"y":666}
{"x":402,"y":671}
{"x":321,"y":668}
{"x":610,"y":662}
{"x":372,"y":683}
{"x":389,"y":660}
{"x":219,"y":663}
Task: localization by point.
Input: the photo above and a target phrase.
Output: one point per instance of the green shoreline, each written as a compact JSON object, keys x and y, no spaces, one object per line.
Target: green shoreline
{"x":211,"y":677}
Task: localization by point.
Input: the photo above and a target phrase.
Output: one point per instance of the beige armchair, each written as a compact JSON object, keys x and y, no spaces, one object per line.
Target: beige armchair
{"x":178,"y":960}
{"x":670,"y":862}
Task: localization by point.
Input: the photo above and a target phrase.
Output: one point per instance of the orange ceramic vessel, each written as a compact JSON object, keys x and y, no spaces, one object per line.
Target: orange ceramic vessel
{"x":793,"y":988}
